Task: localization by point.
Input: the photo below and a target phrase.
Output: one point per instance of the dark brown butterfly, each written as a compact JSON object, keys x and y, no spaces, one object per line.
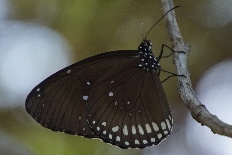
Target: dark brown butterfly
{"x":126,"y":104}
{"x":115,"y":96}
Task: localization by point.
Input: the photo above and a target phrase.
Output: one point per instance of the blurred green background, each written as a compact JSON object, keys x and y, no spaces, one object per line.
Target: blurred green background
{"x":96,"y":26}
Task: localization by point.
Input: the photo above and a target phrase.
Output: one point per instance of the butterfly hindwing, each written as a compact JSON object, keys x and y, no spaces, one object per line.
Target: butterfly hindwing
{"x":125,"y":109}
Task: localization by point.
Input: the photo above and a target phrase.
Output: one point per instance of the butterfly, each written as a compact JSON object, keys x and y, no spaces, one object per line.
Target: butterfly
{"x":116,"y":96}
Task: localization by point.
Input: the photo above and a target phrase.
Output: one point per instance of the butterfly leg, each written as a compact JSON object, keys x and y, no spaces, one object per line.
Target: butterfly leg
{"x":172,"y":75}
{"x":166,"y":56}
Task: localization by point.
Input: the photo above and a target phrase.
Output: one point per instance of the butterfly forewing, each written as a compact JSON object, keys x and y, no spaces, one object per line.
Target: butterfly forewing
{"x":59,"y":102}
{"x":128,"y":108}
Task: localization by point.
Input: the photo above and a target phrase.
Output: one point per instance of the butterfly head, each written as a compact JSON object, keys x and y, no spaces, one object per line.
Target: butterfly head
{"x":147,"y":60}
{"x":146,"y":46}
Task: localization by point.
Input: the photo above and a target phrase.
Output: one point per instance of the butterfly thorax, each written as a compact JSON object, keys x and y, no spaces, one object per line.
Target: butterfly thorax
{"x":147,"y":60}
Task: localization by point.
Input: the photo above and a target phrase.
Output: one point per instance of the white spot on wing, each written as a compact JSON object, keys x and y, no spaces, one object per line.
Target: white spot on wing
{"x":112,"y":82}
{"x":38,"y":95}
{"x":104,"y":123}
{"x":133,"y":129}
{"x":165,"y":132}
{"x":110,"y":136}
{"x":148,"y":128}
{"x":127,"y":143}
{"x":88,"y":83}
{"x":118,"y":138}
{"x":93,"y":122}
{"x":168,"y":124}
{"x":115,"y":103}
{"x":98,"y":128}
{"x":111,"y":93}
{"x":104,"y":132}
{"x":85,"y":98}
{"x":140,"y":130}
{"x":136,"y":141}
{"x":145,"y":141}
{"x":128,"y":102}
{"x":69,"y":71}
{"x":125,"y":130}
{"x":79,"y":117}
{"x":152,"y":139}
{"x":155,"y":126}
{"x":38,"y":89}
{"x":159,"y":135}
{"x":115,"y":129}
{"x":163,"y":125}
{"x":171,"y":119}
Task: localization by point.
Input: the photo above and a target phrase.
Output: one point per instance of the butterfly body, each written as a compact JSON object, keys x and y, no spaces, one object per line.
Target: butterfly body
{"x":115,"y":96}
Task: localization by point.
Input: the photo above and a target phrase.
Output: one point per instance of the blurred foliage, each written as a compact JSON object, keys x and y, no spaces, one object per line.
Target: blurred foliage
{"x":96,"y":26}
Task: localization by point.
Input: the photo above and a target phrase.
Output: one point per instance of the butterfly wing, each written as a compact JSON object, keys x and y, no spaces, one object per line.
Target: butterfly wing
{"x":128,"y":107}
{"x":59,"y":102}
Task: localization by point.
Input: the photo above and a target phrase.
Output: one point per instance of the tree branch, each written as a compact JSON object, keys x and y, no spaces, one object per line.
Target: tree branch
{"x":197,"y":109}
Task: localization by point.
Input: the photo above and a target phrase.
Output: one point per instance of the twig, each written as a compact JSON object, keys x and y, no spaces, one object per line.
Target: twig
{"x":197,"y":109}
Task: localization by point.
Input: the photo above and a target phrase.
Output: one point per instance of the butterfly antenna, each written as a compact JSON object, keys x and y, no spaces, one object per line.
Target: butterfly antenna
{"x":142,"y":26}
{"x":160,"y":20}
